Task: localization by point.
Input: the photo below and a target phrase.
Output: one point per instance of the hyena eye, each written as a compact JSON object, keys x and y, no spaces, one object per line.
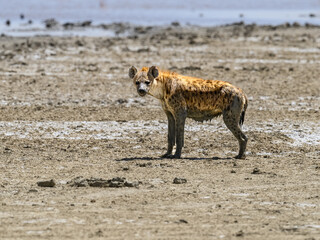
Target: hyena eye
{"x":147,"y":82}
{"x":137,"y":83}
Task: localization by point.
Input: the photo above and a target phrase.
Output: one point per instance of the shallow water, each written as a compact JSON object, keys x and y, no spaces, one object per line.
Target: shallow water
{"x":142,"y":12}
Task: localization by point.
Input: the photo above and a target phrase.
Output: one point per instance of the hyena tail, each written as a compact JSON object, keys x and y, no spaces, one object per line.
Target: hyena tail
{"x":243,"y":113}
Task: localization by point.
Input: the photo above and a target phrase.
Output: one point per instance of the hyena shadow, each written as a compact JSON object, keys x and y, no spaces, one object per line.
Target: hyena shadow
{"x":160,"y":158}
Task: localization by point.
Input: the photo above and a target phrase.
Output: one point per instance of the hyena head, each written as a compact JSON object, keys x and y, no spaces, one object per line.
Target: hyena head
{"x":143,"y":79}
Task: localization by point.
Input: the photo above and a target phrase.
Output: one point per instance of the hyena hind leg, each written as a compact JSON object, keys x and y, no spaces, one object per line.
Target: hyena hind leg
{"x":232,"y":122}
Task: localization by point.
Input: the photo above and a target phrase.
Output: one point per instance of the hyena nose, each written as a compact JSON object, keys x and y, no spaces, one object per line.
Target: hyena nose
{"x":142,"y":91}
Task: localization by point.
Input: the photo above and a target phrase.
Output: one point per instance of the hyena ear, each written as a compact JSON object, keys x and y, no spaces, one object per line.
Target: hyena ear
{"x":132,"y":72}
{"x":153,"y":72}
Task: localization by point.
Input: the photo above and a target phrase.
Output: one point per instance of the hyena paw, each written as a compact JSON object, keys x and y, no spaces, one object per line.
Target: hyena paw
{"x":243,"y":156}
{"x":177,"y":155}
{"x":166,"y":155}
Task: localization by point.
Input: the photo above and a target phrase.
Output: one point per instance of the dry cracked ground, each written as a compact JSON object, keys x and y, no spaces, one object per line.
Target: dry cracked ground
{"x":69,"y":112}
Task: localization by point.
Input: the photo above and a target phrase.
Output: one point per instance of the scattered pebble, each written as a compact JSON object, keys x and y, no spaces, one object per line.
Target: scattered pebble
{"x":239,"y":234}
{"x":32,"y":190}
{"x":148,"y":164}
{"x":183,"y":221}
{"x":48,"y":183}
{"x":256,"y":171}
{"x":179,"y":180}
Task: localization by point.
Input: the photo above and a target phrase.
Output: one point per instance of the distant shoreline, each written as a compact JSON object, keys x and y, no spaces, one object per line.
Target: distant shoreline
{"x":52,"y":27}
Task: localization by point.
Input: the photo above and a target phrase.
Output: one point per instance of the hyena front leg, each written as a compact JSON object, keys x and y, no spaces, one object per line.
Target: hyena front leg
{"x":180,"y":118}
{"x":171,"y":134}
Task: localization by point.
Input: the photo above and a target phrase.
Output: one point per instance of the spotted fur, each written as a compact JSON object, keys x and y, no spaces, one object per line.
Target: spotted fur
{"x":196,"y":98}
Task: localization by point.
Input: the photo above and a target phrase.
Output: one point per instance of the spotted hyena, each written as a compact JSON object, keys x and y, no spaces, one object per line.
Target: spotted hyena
{"x":196,"y":98}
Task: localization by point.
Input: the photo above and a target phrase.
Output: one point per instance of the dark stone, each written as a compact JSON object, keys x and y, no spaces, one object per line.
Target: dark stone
{"x":48,"y":183}
{"x":179,"y":180}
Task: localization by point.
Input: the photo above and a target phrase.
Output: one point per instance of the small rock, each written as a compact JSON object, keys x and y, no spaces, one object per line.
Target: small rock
{"x":32,"y":190}
{"x":148,"y":164}
{"x":131,"y":184}
{"x":179,"y":180}
{"x":239,"y":234}
{"x":78,"y":182}
{"x":79,"y":43}
{"x":271,"y":54}
{"x":99,"y":233}
{"x":183,"y":221}
{"x":98,"y":182}
{"x":233,"y":171}
{"x":122,"y":101}
{"x":191,"y":68}
{"x":256,"y":171}
{"x":49,"y":183}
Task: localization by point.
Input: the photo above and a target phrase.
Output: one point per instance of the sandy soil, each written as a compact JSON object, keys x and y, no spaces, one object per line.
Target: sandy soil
{"x":68,"y":109}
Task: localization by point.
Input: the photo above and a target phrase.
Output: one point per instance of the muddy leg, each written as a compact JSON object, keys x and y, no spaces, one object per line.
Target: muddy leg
{"x":171,"y":134}
{"x":180,"y":122}
{"x":232,"y":122}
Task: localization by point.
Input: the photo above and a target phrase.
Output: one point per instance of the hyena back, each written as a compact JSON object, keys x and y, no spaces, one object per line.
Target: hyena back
{"x":196,"y":98}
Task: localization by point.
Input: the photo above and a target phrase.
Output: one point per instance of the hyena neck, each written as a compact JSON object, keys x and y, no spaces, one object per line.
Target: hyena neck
{"x":156,"y":89}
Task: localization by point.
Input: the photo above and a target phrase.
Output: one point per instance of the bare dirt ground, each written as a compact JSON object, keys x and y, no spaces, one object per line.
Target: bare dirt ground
{"x":68,"y":109}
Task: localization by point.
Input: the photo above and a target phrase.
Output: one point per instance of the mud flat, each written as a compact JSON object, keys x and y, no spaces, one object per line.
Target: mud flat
{"x":69,"y":111}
